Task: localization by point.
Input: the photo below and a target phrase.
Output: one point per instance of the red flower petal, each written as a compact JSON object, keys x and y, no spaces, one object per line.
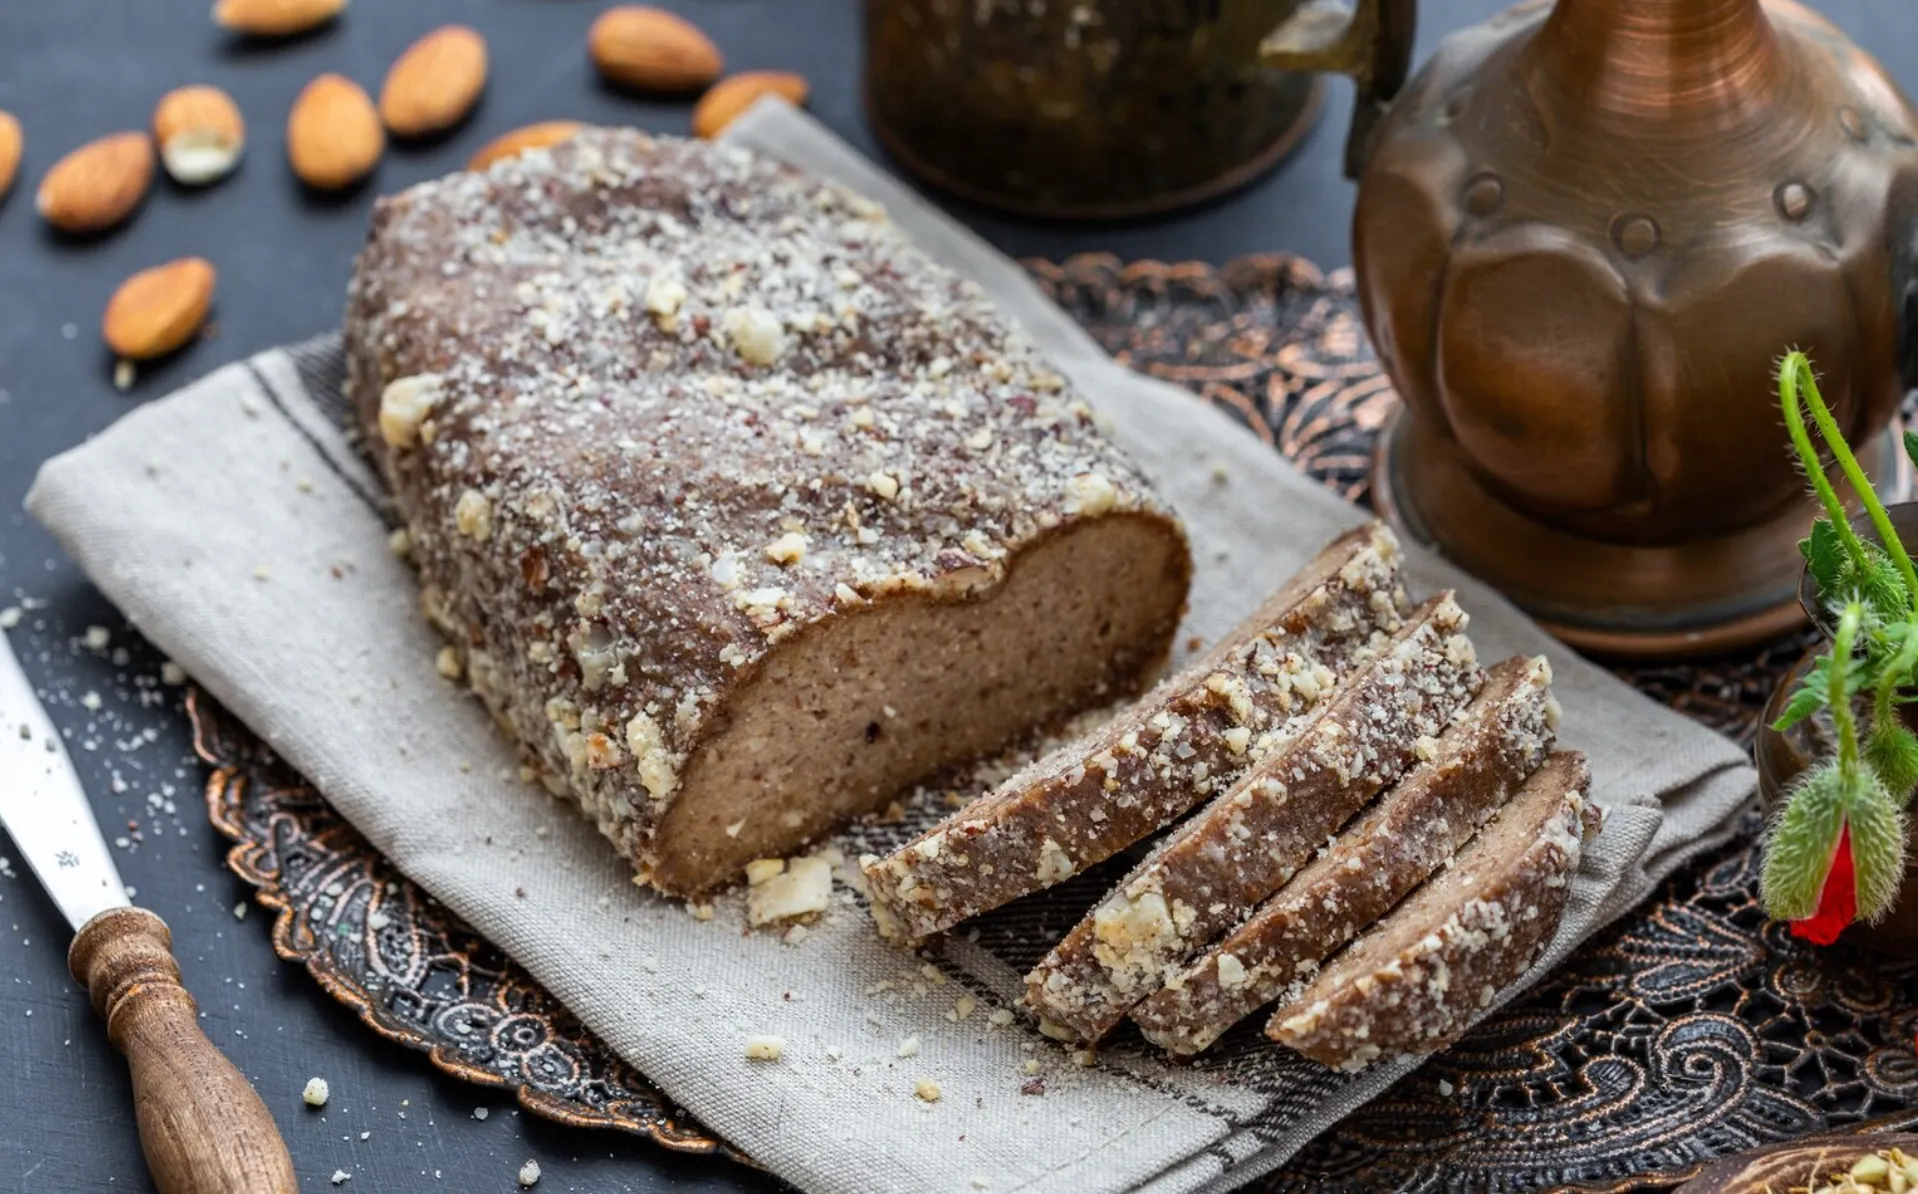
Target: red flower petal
{"x":1837,"y":902}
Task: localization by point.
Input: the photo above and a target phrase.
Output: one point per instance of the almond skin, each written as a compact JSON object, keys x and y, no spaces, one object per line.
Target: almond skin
{"x":736,"y":93}
{"x":274,"y":18}
{"x":650,"y":49}
{"x":157,"y":310}
{"x":11,"y":146}
{"x":200,"y":134}
{"x":435,"y":83}
{"x":333,"y":134}
{"x":97,"y":185}
{"x":533,"y":136}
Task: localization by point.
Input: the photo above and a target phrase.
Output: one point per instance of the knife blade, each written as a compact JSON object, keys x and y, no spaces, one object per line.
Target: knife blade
{"x":203,"y":1128}
{"x":44,"y":807}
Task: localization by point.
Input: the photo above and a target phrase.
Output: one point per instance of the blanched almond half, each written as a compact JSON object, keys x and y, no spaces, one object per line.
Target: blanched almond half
{"x":435,"y":83}
{"x":157,"y":310}
{"x":736,"y":93}
{"x":533,"y":136}
{"x":333,"y":135}
{"x":274,"y":18}
{"x":650,"y":49}
{"x":97,"y":185}
{"x":200,"y":133}
{"x":11,"y":146}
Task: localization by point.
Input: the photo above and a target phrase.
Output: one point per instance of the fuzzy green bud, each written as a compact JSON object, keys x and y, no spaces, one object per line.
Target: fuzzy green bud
{"x":1892,"y":751}
{"x":1882,"y":588}
{"x":1877,"y":851}
{"x":1801,"y":841}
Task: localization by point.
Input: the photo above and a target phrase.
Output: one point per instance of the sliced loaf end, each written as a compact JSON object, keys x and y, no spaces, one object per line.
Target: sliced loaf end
{"x":854,"y":709}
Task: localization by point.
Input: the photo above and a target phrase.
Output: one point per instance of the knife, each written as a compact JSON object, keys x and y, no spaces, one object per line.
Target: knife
{"x":203,"y":1129}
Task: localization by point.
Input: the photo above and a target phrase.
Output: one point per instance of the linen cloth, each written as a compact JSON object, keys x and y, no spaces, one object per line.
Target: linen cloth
{"x":240,"y":529}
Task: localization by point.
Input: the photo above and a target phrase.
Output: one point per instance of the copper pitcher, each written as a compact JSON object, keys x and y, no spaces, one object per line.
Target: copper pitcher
{"x":1082,"y":108}
{"x":1584,"y":232}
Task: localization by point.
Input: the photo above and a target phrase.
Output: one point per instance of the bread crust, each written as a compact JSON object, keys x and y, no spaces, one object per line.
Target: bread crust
{"x":1190,"y":737}
{"x":658,"y":415}
{"x":1413,"y":829}
{"x":1249,"y":841}
{"x":1423,"y":975}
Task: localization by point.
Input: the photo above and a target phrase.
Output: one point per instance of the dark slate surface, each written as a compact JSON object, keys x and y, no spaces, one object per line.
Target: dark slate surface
{"x":76,"y":69}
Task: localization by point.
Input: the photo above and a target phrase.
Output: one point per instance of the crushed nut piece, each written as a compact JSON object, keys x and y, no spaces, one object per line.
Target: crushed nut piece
{"x":315,"y":1093}
{"x":789,"y":548}
{"x":802,"y":888}
{"x":473,"y":514}
{"x":404,"y":405}
{"x":761,"y":869}
{"x":765,"y":1048}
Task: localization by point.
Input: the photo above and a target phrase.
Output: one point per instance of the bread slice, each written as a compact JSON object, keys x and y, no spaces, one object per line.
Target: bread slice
{"x":740,"y":512}
{"x":1191,"y":736}
{"x":1247,"y":843}
{"x":1424,"y":974}
{"x":1408,"y":833}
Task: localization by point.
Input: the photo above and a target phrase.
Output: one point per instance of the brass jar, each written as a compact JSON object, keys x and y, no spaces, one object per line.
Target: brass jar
{"x":1082,"y":108}
{"x":1585,"y":231}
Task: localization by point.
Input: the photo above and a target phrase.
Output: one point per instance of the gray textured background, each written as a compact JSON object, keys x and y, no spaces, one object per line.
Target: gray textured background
{"x":74,"y":69}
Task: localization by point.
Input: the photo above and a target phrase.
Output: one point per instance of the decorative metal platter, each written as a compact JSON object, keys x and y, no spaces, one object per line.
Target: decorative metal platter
{"x":1690,"y":1030}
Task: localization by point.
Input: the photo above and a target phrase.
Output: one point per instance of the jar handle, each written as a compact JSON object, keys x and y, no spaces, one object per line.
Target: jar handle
{"x":1371,"y":41}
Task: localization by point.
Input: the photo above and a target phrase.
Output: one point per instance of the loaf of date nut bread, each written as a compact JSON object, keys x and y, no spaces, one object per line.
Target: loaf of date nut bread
{"x":1248,"y":842}
{"x":1193,"y":735}
{"x":740,"y":513}
{"x":1468,"y":773}
{"x":1419,"y":978}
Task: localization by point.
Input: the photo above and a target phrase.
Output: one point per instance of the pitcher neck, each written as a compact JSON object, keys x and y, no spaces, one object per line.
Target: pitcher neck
{"x":1683,"y":60}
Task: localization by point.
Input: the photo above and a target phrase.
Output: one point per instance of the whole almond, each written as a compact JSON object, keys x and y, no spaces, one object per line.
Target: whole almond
{"x":650,"y":49}
{"x":274,"y":18}
{"x":333,"y":135}
{"x":533,"y":136}
{"x":158,"y":310}
{"x":736,"y":93}
{"x":435,"y":83}
{"x":11,"y":145}
{"x":97,"y":185}
{"x":200,"y":133}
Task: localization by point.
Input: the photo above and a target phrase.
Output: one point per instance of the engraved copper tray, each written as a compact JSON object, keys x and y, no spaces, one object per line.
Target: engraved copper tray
{"x":1690,"y":1030}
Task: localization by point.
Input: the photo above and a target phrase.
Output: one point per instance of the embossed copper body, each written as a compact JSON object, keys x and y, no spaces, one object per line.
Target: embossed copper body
{"x":1584,"y":233}
{"x":1082,"y":108}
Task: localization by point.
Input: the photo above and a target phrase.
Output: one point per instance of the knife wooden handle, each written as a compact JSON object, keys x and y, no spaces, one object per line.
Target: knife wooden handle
{"x":204,"y":1130}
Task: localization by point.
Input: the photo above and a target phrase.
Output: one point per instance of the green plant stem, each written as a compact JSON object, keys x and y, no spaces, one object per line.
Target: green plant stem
{"x":1796,"y":363}
{"x":1891,"y":678}
{"x":1808,"y":457}
{"x":1839,"y":699}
